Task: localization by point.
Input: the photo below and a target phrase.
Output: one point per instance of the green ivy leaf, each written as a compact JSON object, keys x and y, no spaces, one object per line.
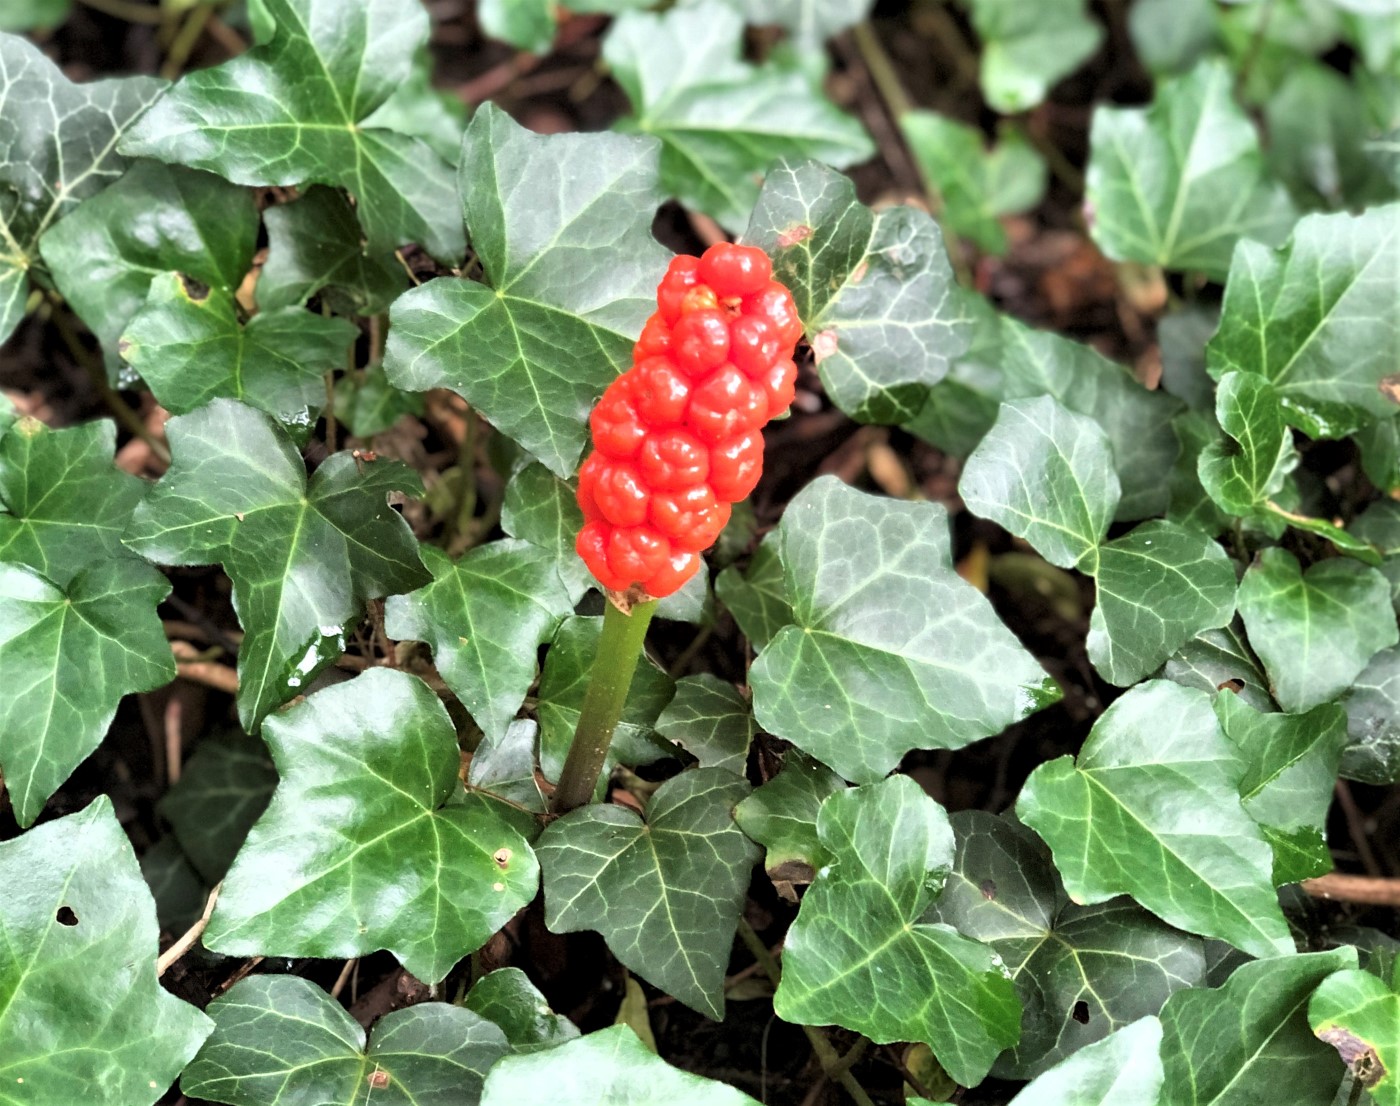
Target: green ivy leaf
{"x":1218,"y":659}
{"x":757,"y":597}
{"x":57,"y":148}
{"x":1314,"y":631}
{"x":1176,"y":184}
{"x":1158,"y":587}
{"x":808,"y":22}
{"x":1046,"y":475}
{"x":782,"y":817}
{"x":608,"y":1068}
{"x":542,"y":509}
{"x":191,"y":348}
{"x":875,"y":290}
{"x":155,"y":219}
{"x":304,"y":556}
{"x":1358,"y":1015}
{"x":890,"y":649}
{"x":976,"y":184}
{"x":485,"y":617}
{"x":367,"y":404}
{"x":1125,"y":816}
{"x":860,"y":956}
{"x":1318,"y":319}
{"x":508,"y":998}
{"x":436,"y":116}
{"x":1123,"y":1069}
{"x":84,"y":1019}
{"x":1291,"y":765}
{"x":361,"y":848}
{"x":1081,"y":972}
{"x":1027,"y":48}
{"x":504,"y":766}
{"x":314,"y":246}
{"x":29,"y":15}
{"x":1170,"y":36}
{"x":721,"y":121}
{"x":293,"y":111}
{"x":1245,"y":472}
{"x":1373,"y":722}
{"x":711,"y":721}
{"x":666,"y":892}
{"x":178,"y":890}
{"x":280,"y":1040}
{"x":537,"y":222}
{"x":1222,"y":1046}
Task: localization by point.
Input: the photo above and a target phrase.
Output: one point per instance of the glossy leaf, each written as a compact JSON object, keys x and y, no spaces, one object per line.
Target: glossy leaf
{"x":304,"y":556}
{"x":292,"y":111}
{"x":782,"y":817}
{"x":875,"y":290}
{"x":1318,"y":319}
{"x":508,"y":998}
{"x":1028,"y":48}
{"x":280,"y":1040}
{"x":504,"y":766}
{"x":1358,"y":1015}
{"x":608,"y":1068}
{"x":1372,"y":704}
{"x":890,"y":649}
{"x":1178,"y":183}
{"x":1222,"y":1046}
{"x":1124,"y":817}
{"x":757,"y":597}
{"x":562,"y":227}
{"x":1046,"y":475}
{"x":721,"y":121}
{"x":1123,"y":1069}
{"x":83,"y":1019}
{"x":860,"y":956}
{"x":543,"y":510}
{"x":1316,"y":630}
{"x":367,"y":404}
{"x":57,"y":148}
{"x":1245,"y":473}
{"x":1081,"y":972}
{"x":362,"y":847}
{"x":1158,"y":587}
{"x":666,"y":892}
{"x":191,"y":348}
{"x":1219,"y":660}
{"x":711,"y":721}
{"x":485,"y":617}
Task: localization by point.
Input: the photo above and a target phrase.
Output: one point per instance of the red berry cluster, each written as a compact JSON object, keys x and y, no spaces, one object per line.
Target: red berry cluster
{"x":677,"y":437}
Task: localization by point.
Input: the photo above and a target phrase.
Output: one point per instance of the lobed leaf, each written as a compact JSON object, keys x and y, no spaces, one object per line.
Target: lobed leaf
{"x":508,"y":998}
{"x":782,"y":817}
{"x":1358,"y":1015}
{"x":711,"y":720}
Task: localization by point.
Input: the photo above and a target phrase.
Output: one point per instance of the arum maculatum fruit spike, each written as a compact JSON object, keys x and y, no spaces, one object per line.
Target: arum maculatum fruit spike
{"x":678,"y":437}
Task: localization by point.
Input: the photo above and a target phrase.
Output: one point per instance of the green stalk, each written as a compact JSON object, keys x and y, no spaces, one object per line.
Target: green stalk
{"x":619,"y":649}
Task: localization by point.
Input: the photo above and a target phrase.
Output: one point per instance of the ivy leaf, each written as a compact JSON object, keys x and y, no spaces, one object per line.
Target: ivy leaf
{"x":1245,"y":473}
{"x":84,"y":1019}
{"x":156,"y":218}
{"x":1170,"y":36}
{"x":1373,"y":722}
{"x":191,"y":348}
{"x":1221,"y":1046}
{"x":178,"y":890}
{"x":361,"y":848}
{"x":809,"y":22}
{"x":1123,"y":1069}
{"x":57,"y":148}
{"x":1158,"y":586}
{"x":304,"y":556}
{"x":1027,"y":49}
{"x":858,"y":954}
{"x":367,"y":404}
{"x":721,"y":121}
{"x":1178,"y":183}
{"x":1291,"y":765}
{"x":570,"y":264}
{"x":1314,"y":631}
{"x":504,"y":766}
{"x":1357,"y":1014}
{"x":542,"y":509}
{"x":314,"y":245}
{"x":1046,"y":475}
{"x":782,"y":817}
{"x":563,"y":686}
{"x":1081,"y":972}
{"x":280,"y":1040}
{"x":223,"y":789}
{"x":666,"y":892}
{"x":417,"y":109}
{"x":29,"y":15}
{"x":757,"y":597}
{"x":711,"y":721}
{"x":293,"y":111}
{"x":976,"y":185}
{"x":1125,"y":816}
{"x":485,"y":617}
{"x":1318,"y":319}
{"x":608,"y":1068}
{"x":889,"y":649}
{"x":875,"y":290}
{"x":508,"y":998}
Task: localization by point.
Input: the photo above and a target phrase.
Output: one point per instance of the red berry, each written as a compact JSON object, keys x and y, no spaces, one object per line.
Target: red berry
{"x":617,"y":429}
{"x":700,"y":341}
{"x":681,"y":276}
{"x":592,"y":546}
{"x":727,"y":403}
{"x":736,"y":465}
{"x":681,"y":567}
{"x":621,"y":494}
{"x":636,"y":553}
{"x":672,"y":459}
{"x":587,"y":483}
{"x":754,"y":344}
{"x":692,"y":518}
{"x":774,"y":303}
{"x":661,"y":392}
{"x":655,"y":339}
{"x":780,"y":385}
{"x":733,"y":270}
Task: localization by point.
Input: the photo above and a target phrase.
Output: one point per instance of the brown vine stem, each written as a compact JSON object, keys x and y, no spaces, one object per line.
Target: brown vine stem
{"x":190,"y":936}
{"x":834,"y":1066}
{"x":1368,"y":890}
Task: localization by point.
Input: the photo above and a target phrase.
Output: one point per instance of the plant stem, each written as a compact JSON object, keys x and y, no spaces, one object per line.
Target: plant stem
{"x":185,"y":40}
{"x":619,"y":649}
{"x":127,"y":10}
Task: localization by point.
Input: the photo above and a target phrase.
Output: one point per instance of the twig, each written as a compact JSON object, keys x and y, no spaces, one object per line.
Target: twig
{"x":174,"y":716}
{"x":191,"y":935}
{"x":344,"y":977}
{"x":185,"y":40}
{"x":1344,"y":887}
{"x":218,"y":676}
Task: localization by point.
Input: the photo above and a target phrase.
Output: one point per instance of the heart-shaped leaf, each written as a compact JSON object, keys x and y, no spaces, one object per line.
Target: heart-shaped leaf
{"x":1358,"y":1015}
{"x":508,"y":998}
{"x":1373,"y":721}
{"x":710,"y":720}
{"x":757,"y":597}
{"x":1222,"y":659}
{"x":1123,"y":1069}
{"x":782,"y":817}
{"x":1027,"y":48}
{"x":1244,"y":475}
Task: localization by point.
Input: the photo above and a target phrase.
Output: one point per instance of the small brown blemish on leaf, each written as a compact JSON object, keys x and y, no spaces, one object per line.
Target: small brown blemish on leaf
{"x":1358,"y":1055}
{"x":858,"y":273}
{"x":798,"y":232}
{"x":123,"y":346}
{"x":824,"y":345}
{"x":1234,"y":683}
{"x":502,"y":857}
{"x":378,"y":1079}
{"x":1390,"y":387}
{"x":988,"y":887}
{"x":196,"y":290}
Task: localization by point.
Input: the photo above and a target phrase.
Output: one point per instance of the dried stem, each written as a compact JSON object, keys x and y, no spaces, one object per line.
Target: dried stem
{"x":190,"y":936}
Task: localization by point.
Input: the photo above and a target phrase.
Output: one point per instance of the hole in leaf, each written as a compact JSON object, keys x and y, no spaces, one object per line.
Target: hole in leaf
{"x":1232,"y":684}
{"x":196,"y":290}
{"x":988,"y":887}
{"x":502,"y":857}
{"x":66,"y":917}
{"x":1081,"y":1012}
